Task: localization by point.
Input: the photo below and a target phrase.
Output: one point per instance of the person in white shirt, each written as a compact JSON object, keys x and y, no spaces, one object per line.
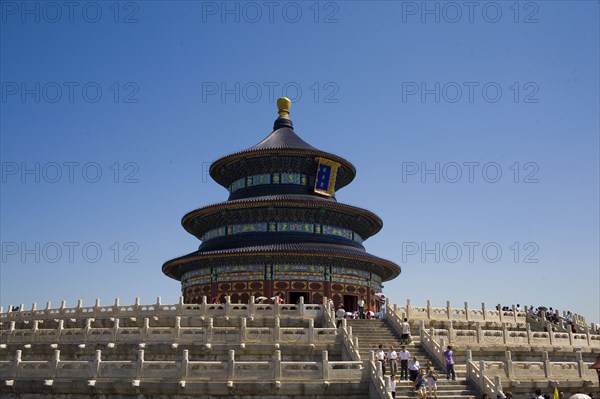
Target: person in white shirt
{"x":413,"y":369}
{"x":405,"y":331}
{"x":341,"y":313}
{"x":393,"y":383}
{"x":380,"y":356}
{"x":404,"y":356}
{"x":361,"y":308}
{"x":392,"y":357}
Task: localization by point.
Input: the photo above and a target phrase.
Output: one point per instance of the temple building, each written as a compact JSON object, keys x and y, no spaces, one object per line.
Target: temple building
{"x":282,"y":232}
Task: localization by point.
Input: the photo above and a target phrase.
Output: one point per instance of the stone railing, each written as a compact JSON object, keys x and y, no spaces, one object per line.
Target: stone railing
{"x":178,"y":371}
{"x":349,"y":342}
{"x":458,"y":314}
{"x":207,"y":334}
{"x":512,"y":337}
{"x":467,"y":313}
{"x":545,"y":369}
{"x":434,"y":347}
{"x":158,"y":309}
{"x":476,"y":375}
{"x":379,"y":387}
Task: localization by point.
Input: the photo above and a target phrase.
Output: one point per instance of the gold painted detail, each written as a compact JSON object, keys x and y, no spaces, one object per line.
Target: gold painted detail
{"x":326,"y":176}
{"x":283,"y":105}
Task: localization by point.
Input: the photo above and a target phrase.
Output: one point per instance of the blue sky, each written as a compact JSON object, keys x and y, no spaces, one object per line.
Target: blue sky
{"x":474,"y":132}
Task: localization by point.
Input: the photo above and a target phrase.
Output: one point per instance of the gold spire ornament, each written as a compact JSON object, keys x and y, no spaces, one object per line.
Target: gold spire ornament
{"x":283,"y":105}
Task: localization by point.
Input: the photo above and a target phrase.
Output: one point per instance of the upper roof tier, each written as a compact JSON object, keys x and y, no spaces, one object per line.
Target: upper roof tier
{"x":281,"y":151}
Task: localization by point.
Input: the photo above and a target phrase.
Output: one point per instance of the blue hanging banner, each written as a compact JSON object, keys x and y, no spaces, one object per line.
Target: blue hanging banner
{"x":326,"y":175}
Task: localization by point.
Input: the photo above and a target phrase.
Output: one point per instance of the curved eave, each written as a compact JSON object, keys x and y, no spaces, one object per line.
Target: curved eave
{"x":176,"y":267}
{"x":281,"y":201}
{"x":349,"y":169}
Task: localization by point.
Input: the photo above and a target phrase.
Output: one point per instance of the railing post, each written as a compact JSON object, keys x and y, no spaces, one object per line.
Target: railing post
{"x":449,"y":310}
{"x":59,"y":329}
{"x":429,"y":309}
{"x":498,"y":383}
{"x":243,"y":330}
{"x":17,"y":361}
{"x":311,"y":330}
{"x":504,"y":333}
{"x":209,"y":330}
{"x":586,"y":329}
{"x":231,"y":365}
{"x":479,"y":333}
{"x":86,"y":330}
{"x":550,"y":333}
{"x":97,"y":360}
{"x":185,"y":362}
{"x":136,"y":306}
{"x":547,"y":369}
{"x":252,"y":306}
{"x":227,"y":305}
{"x":387,"y":385}
{"x":450,"y":332}
{"x":203,"y":305}
{"x":408,"y":309}
{"x":277,"y":370}
{"x":139,"y":365}
{"x":55,"y":361}
{"x":145,"y":329}
{"x":528,"y":330}
{"x":509,"y":365}
{"x":158,"y":309}
{"x":570,"y":332}
{"x":177,"y":328}
{"x":325,"y":365}
{"x":117,"y":305}
{"x":467,"y":311}
{"x":482,"y":374}
{"x":514,"y":309}
{"x":580,"y":364}
{"x":483,"y":311}
{"x":500,"y":312}
{"x":469,"y":366}
{"x":277,"y":330}
{"x":301,"y":308}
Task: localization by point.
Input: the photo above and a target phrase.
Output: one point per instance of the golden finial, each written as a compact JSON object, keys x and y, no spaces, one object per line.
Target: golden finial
{"x":283,"y":104}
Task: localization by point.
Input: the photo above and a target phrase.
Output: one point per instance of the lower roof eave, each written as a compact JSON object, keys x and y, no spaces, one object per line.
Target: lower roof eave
{"x":175,"y":268}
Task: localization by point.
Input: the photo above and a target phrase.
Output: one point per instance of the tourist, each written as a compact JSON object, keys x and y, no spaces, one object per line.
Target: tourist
{"x":449,"y":356}
{"x":405,"y":331}
{"x":420,"y":384}
{"x":413,"y":370}
{"x":380,"y":356}
{"x":485,"y":396}
{"x":569,"y":318}
{"x":404,"y":356}
{"x":392,"y":357}
{"x":500,"y":395}
{"x":538,"y":394}
{"x":431,"y":380}
{"x":393,"y":383}
{"x":340,"y":314}
{"x":509,"y":395}
{"x":361,"y":308}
